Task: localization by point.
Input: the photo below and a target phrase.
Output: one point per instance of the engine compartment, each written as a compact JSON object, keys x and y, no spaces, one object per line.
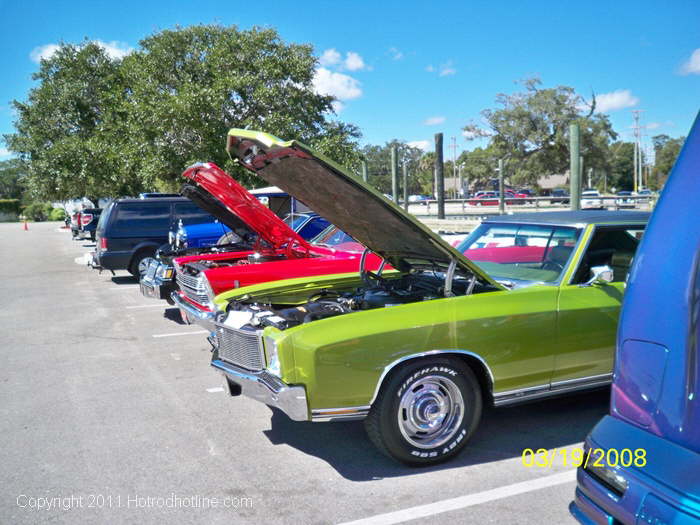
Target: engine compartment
{"x":376,"y":292}
{"x":193,"y":268}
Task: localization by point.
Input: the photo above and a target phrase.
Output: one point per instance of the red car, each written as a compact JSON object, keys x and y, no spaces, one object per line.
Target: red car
{"x":277,"y":253}
{"x":490,"y":198}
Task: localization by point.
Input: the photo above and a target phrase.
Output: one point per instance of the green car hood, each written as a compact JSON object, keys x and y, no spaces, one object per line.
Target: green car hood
{"x":347,"y":202}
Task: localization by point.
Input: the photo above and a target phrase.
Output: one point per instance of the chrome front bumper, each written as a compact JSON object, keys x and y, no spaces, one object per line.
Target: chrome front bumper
{"x":201,"y":317}
{"x":264,"y":387}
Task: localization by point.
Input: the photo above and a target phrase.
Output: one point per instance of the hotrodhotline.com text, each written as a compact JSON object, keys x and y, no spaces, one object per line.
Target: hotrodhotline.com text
{"x":131,"y":501}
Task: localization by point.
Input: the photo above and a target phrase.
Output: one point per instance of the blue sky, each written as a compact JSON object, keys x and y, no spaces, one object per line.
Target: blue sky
{"x":409,"y":69}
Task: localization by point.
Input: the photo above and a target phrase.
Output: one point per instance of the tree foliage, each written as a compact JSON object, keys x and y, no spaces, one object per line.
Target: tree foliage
{"x":12,"y":176}
{"x":101,"y":126}
{"x":378,"y":160}
{"x":531,"y":130}
{"x":666,"y":151}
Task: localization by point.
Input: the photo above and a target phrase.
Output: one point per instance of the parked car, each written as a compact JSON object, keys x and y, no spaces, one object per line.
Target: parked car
{"x":277,"y":253}
{"x":130,"y":231}
{"x":625,"y":199}
{"x":87,"y":223}
{"x":491,"y":198}
{"x":590,"y":200}
{"x":559,"y":196}
{"x":157,"y":195}
{"x":654,"y":410}
{"x":525,"y":308}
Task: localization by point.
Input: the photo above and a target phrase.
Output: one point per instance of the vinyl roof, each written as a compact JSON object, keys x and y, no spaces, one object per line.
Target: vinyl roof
{"x":574,"y":217}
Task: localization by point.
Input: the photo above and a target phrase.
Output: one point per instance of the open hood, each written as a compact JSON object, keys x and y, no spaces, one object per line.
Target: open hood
{"x":347,"y":202}
{"x":218,"y":193}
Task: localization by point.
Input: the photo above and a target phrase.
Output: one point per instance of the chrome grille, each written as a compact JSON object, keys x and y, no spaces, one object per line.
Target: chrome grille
{"x":192,"y":286}
{"x":240,"y":347}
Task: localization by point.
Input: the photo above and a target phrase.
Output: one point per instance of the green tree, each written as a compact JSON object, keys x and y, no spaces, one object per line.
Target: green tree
{"x":187,"y":87}
{"x":59,"y":126}
{"x":98,"y":126}
{"x":378,"y":160}
{"x":666,"y":151}
{"x":621,"y":166}
{"x":12,"y":175}
{"x":531,"y":130}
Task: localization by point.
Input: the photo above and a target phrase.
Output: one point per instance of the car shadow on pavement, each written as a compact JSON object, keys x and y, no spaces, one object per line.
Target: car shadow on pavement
{"x":124,"y":279}
{"x":173,"y":314}
{"x":93,"y":245}
{"x":502,"y":434}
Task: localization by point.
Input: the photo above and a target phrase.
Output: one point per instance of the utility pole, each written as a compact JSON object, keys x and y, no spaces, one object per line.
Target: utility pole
{"x":459,"y":182}
{"x":394,"y":175}
{"x":637,"y":151}
{"x":364,"y":170}
{"x":405,"y":185}
{"x":501,"y":192}
{"x":574,"y":167}
{"x":453,"y":147}
{"x":439,"y":176}
{"x":590,"y":176}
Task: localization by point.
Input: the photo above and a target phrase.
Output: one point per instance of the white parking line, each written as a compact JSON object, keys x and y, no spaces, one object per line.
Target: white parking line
{"x":146,"y":306}
{"x":461,"y":502}
{"x":124,"y":287}
{"x":215,"y":389}
{"x":181,"y":333}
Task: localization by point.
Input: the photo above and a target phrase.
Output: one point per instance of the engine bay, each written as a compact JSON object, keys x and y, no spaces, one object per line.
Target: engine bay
{"x":376,"y":292}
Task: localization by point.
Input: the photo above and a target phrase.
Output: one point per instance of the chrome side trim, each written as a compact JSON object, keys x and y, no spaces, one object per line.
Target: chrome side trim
{"x":339,"y":414}
{"x":560,"y":387}
{"x":391,"y":365}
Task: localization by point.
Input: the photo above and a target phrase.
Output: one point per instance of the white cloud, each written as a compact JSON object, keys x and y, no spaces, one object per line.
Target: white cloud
{"x":354,"y":62}
{"x":114,"y":49}
{"x":43,"y":52}
{"x":692,"y":65}
{"x":338,"y":106}
{"x":329,"y":57}
{"x":420,"y":144}
{"x":654,"y":125}
{"x":4,"y":152}
{"x":434,"y":121}
{"x":443,"y":70}
{"x":447,"y":69}
{"x":620,"y":99}
{"x":471,"y":134}
{"x":338,"y":85}
{"x":395,"y":53}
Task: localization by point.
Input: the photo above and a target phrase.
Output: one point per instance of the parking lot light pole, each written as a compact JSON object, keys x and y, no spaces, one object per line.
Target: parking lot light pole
{"x":405,"y":185}
{"x":364,"y":170}
{"x":501,"y":190}
{"x":394,"y":175}
{"x":439,"y":176}
{"x":574,"y":167}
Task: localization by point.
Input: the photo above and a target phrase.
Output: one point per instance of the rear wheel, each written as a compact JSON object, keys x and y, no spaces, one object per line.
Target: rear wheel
{"x":426,"y":412}
{"x":139,"y":264}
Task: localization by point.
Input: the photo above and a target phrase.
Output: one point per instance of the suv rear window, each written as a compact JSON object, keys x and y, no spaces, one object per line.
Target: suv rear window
{"x":190,"y":213}
{"x":146,"y":217}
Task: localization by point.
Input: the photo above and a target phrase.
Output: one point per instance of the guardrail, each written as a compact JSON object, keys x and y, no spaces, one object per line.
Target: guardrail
{"x":490,"y":206}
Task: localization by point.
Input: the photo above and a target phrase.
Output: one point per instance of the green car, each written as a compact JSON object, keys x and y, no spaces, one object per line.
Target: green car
{"x":525,"y":307}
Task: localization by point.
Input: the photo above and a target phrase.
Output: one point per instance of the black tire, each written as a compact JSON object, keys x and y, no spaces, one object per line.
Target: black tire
{"x":137,"y":260}
{"x":92,"y":236}
{"x":390,"y":432}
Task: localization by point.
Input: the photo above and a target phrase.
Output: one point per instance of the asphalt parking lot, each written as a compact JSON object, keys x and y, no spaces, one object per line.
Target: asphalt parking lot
{"x":108,"y":402}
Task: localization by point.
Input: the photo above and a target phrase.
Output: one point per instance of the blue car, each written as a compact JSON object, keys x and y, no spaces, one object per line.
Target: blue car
{"x":644,"y":462}
{"x":307,"y":224}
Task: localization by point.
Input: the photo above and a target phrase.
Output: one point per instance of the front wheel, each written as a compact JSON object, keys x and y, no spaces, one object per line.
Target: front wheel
{"x":426,"y":412}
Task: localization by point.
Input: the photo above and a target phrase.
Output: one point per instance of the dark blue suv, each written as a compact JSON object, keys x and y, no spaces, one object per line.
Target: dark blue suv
{"x":131,"y":230}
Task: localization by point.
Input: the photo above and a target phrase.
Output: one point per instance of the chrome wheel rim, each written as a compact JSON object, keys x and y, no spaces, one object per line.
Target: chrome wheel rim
{"x":430,"y":412}
{"x":144,"y":264}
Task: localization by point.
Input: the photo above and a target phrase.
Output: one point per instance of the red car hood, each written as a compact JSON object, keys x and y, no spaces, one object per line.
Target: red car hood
{"x":243,"y":205}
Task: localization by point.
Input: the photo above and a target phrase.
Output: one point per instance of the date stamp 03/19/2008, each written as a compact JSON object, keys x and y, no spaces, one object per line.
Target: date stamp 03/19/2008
{"x":579,"y":457}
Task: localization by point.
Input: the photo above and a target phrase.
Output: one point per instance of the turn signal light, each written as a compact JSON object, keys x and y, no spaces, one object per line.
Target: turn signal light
{"x":103,"y":243}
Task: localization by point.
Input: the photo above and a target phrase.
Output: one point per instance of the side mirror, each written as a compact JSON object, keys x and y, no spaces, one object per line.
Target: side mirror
{"x":600,"y":275}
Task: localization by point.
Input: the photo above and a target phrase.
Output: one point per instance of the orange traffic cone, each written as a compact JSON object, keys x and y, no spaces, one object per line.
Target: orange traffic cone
{"x":25,"y":226}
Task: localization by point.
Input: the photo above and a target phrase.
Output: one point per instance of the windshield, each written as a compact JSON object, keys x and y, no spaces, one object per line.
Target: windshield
{"x":334,"y":236}
{"x":295,"y":221}
{"x":521,"y":252}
